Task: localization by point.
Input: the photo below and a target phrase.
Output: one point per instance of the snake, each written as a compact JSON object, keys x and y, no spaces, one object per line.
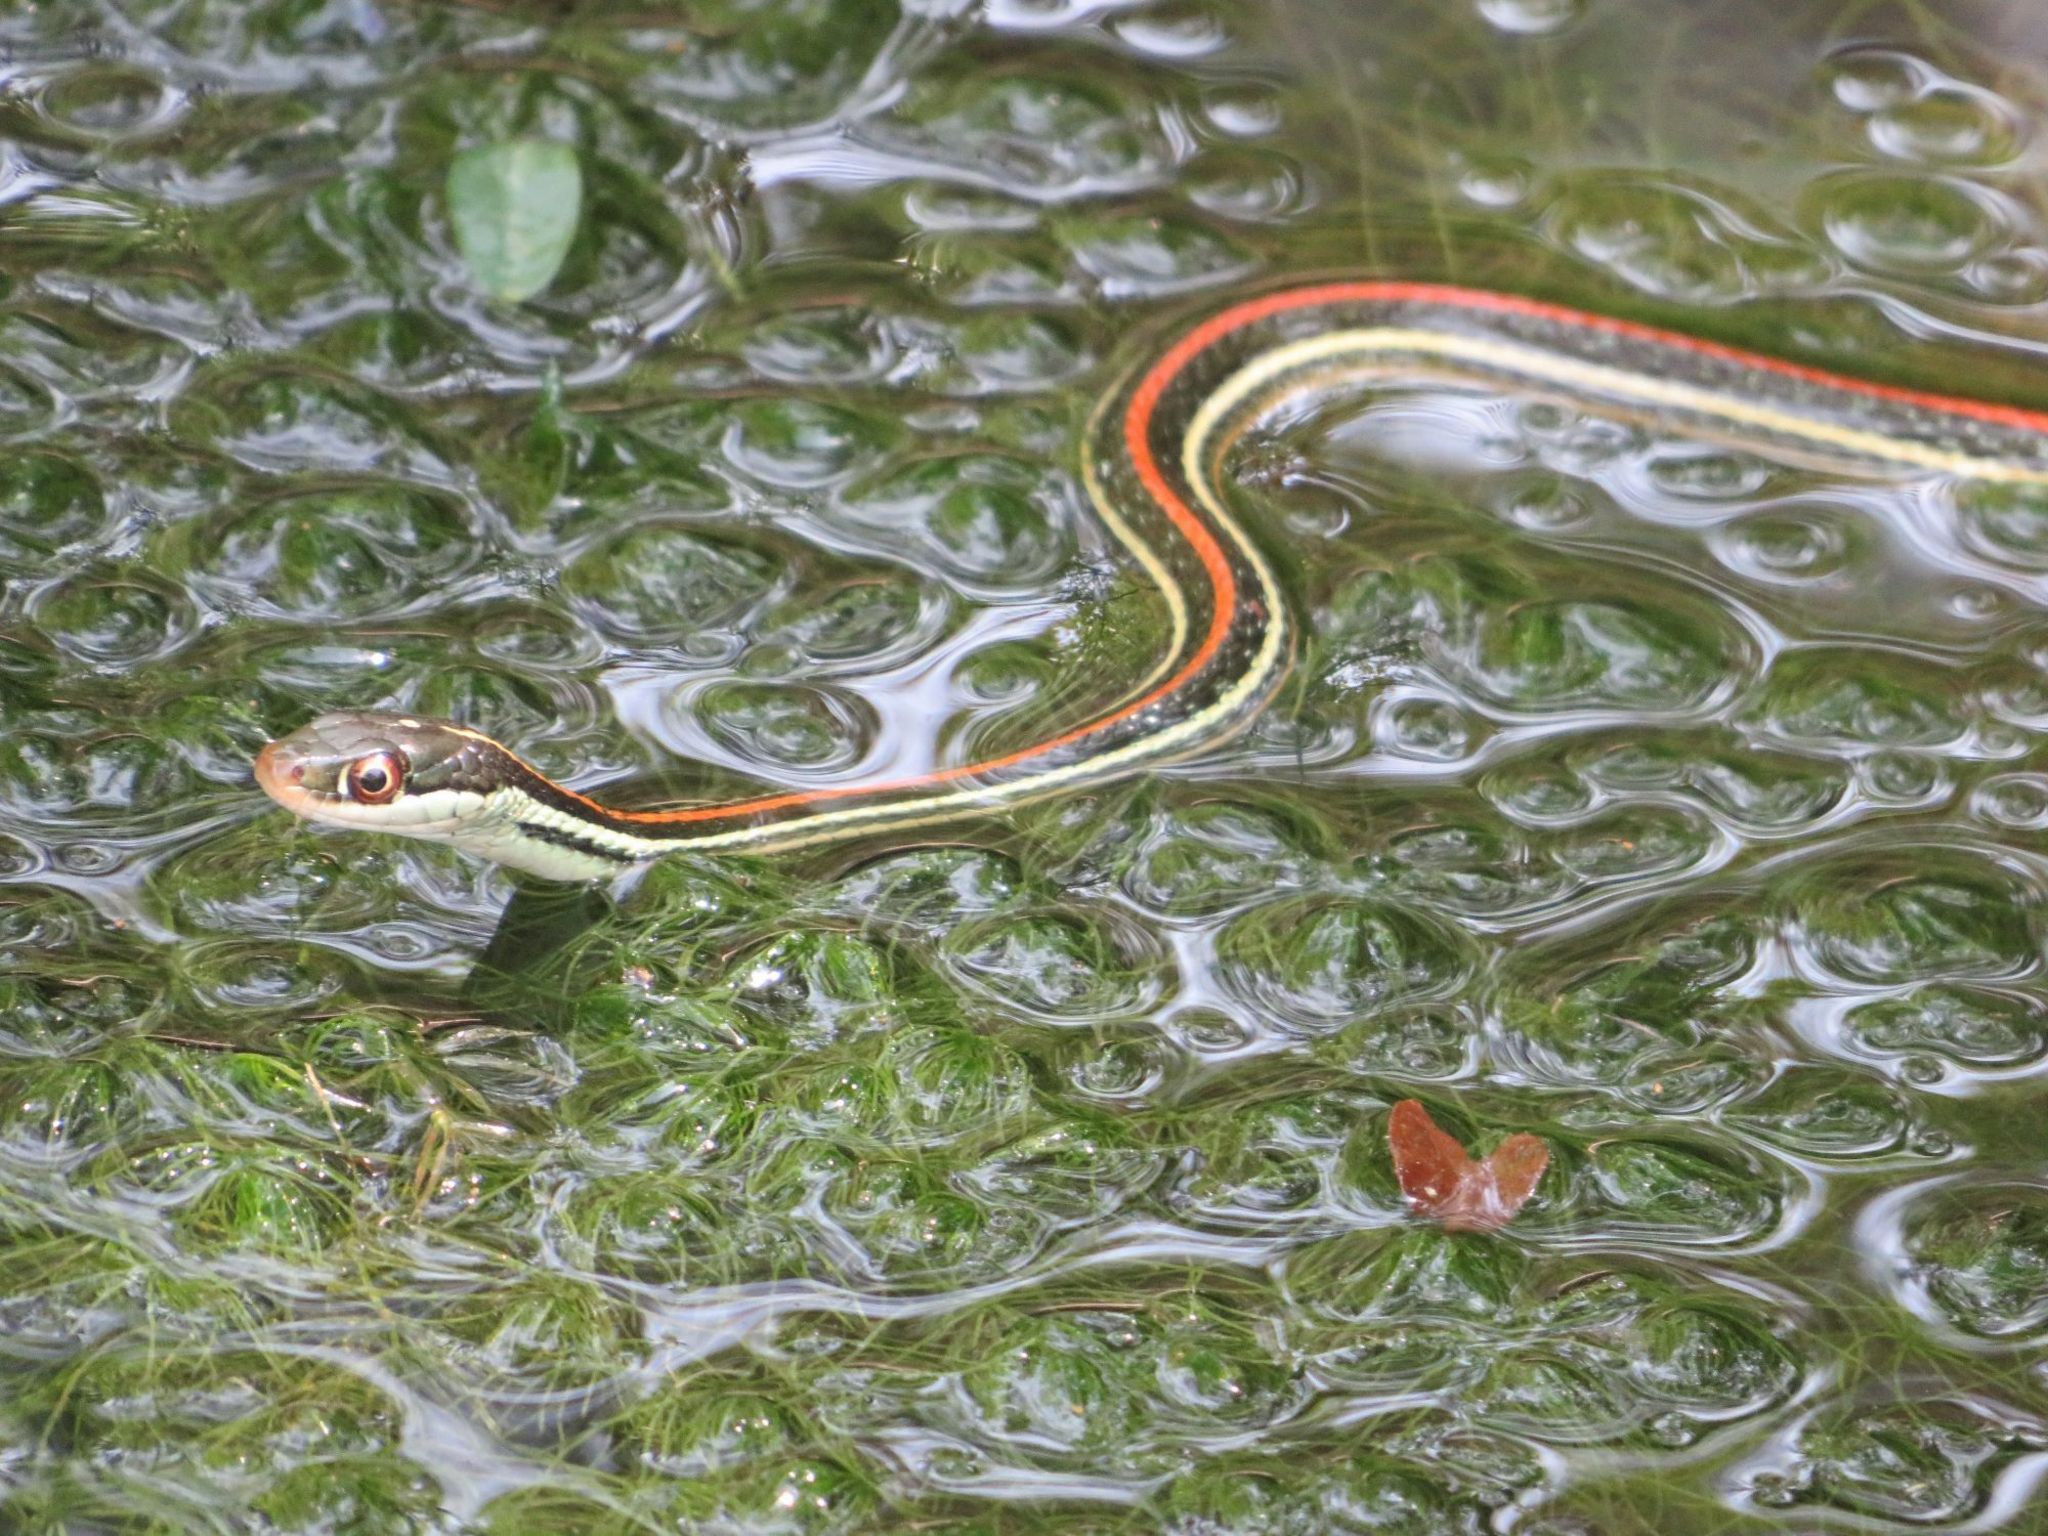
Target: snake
{"x":1156,"y":457}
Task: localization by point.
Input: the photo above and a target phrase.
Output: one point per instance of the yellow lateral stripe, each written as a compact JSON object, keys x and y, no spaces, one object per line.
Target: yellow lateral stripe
{"x":1125,"y":534}
{"x":1264,"y":383}
{"x":1595,"y":382}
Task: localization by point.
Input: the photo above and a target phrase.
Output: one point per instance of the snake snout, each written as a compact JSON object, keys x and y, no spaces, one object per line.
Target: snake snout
{"x":281,"y":774}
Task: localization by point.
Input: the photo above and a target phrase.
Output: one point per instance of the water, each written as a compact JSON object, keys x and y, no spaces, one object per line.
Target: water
{"x":1679,"y":805}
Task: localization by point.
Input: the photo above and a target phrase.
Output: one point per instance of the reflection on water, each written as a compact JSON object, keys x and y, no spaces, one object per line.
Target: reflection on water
{"x":1678,"y":804}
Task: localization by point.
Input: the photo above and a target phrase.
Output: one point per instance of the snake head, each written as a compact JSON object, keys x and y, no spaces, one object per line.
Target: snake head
{"x":441,"y":782}
{"x":390,"y":773}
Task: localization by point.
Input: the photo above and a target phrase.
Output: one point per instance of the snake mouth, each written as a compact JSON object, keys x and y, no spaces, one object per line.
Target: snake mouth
{"x":279,"y":777}
{"x":280,"y":774}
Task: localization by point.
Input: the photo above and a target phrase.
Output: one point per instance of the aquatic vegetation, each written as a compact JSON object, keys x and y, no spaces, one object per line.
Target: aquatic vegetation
{"x":515,"y":206}
{"x":689,"y":397}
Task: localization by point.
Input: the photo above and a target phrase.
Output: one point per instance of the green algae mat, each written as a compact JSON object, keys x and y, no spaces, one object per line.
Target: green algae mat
{"x":689,"y":395}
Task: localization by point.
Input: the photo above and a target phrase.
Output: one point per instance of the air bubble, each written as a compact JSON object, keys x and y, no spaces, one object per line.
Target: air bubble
{"x":1532,"y":18}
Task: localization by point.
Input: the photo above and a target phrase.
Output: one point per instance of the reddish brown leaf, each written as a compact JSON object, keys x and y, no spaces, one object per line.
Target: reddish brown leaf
{"x":1516,"y":1165}
{"x":1440,"y":1180}
{"x":1427,"y":1160}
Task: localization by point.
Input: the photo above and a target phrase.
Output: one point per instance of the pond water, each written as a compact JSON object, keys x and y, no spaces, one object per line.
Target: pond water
{"x":1679,"y":805}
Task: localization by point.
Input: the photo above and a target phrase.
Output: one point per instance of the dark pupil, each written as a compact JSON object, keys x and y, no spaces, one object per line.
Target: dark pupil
{"x":372,"y":781}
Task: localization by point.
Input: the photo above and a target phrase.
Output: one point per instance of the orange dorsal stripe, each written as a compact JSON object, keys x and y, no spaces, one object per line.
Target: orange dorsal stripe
{"x":1208,"y":547}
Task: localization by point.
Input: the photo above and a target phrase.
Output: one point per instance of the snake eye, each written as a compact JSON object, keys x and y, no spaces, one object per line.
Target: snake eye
{"x":376,"y":779}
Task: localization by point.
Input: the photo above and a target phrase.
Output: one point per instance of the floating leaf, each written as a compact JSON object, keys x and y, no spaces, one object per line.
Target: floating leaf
{"x":1441,"y":1180}
{"x":515,"y":206}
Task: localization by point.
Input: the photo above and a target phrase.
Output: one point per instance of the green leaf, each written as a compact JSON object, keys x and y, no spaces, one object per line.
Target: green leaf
{"x":515,"y":206}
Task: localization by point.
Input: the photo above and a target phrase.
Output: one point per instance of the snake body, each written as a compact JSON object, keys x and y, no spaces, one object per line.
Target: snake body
{"x":1155,"y":467}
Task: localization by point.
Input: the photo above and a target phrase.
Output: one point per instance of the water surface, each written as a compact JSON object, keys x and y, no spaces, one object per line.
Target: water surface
{"x":1683,"y":806}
